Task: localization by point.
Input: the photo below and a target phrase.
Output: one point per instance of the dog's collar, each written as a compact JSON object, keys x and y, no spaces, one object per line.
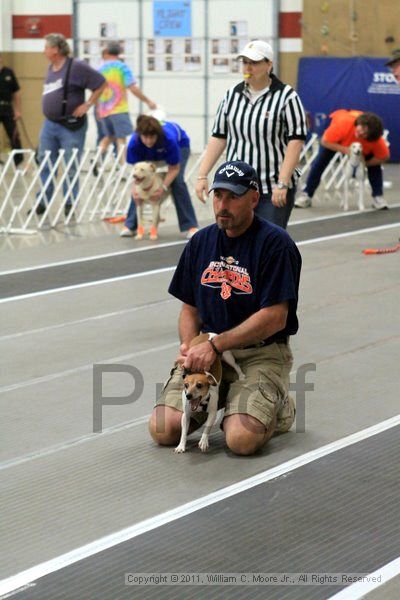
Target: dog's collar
{"x":147,"y":189}
{"x":204,"y":402}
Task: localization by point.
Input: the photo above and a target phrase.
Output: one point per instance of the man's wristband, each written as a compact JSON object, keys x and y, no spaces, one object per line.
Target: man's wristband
{"x":202,"y":177}
{"x":214,"y":347}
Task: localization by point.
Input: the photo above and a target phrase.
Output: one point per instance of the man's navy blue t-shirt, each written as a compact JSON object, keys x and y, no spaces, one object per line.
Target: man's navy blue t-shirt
{"x":229,"y":279}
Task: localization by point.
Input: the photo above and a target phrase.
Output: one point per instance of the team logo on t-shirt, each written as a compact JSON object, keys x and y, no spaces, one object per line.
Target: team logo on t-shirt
{"x":228,"y":275}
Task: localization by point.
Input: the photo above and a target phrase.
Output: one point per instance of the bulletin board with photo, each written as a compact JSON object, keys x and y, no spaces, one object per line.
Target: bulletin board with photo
{"x":174,"y":54}
{"x":90,"y":50}
{"x":224,"y":50}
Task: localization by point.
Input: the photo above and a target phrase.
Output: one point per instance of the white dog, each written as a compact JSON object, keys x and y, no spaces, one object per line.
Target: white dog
{"x":354,"y":171}
{"x":146,"y":182}
{"x":200,"y":393}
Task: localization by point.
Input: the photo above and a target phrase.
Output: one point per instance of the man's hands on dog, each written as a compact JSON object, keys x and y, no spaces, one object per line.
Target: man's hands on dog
{"x":197,"y":359}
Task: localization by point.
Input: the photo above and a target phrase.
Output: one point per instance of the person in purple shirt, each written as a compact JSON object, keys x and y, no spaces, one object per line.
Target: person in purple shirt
{"x":55,"y":136}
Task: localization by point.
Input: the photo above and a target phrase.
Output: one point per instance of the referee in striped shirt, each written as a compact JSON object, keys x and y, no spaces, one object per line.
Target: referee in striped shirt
{"x":260,"y":121}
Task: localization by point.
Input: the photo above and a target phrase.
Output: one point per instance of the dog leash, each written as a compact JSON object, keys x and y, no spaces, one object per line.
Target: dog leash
{"x":391,"y":250}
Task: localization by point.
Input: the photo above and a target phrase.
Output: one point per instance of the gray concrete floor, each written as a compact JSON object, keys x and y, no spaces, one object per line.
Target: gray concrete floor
{"x":63,"y":486}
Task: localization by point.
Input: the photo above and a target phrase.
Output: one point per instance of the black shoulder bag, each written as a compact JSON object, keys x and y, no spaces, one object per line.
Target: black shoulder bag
{"x":70,"y":122}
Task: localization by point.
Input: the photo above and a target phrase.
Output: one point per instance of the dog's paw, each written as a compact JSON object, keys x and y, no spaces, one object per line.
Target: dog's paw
{"x":153,"y":234}
{"x":180,"y":449}
{"x":140,"y":233}
{"x":203,"y":445}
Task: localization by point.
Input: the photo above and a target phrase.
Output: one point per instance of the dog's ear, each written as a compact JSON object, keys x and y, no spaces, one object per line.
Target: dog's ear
{"x":211,"y":379}
{"x":153,"y":167}
{"x":185,"y":372}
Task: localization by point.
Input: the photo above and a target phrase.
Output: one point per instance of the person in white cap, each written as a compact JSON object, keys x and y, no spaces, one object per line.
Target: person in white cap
{"x":261,"y":121}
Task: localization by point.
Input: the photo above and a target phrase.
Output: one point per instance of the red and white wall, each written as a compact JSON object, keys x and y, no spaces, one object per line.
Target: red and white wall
{"x":290,"y":36}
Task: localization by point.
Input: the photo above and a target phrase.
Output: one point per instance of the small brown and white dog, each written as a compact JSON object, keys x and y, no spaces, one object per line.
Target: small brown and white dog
{"x":200,"y":393}
{"x":146,"y":182}
{"x":354,"y":172}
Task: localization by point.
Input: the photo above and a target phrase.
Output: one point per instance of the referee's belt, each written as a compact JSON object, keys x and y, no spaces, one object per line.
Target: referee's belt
{"x":277,"y":340}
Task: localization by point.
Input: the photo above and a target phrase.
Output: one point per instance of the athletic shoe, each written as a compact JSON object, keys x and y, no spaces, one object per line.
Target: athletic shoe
{"x":379,"y":203}
{"x":191,"y":232}
{"x":40,"y":209}
{"x":303,"y":200}
{"x":127,"y":232}
{"x":67,"y":209}
{"x":285,"y":416}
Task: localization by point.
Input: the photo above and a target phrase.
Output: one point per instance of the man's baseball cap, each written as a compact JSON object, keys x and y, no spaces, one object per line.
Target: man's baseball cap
{"x":394,"y":59}
{"x":257,"y":50}
{"x":236,"y":176}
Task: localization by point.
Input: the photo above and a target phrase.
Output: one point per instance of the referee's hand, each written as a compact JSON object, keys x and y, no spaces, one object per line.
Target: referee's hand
{"x":278,"y":197}
{"x":202,"y":190}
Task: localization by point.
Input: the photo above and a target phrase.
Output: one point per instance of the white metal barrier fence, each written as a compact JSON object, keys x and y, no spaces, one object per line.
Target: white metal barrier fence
{"x":103,"y":189}
{"x":333,"y":178}
{"x":103,"y":186}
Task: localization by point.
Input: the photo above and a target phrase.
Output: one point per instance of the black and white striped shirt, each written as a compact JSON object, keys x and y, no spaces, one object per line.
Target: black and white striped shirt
{"x":258,"y":133}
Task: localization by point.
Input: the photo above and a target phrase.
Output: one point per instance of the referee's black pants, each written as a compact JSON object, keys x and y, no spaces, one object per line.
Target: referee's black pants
{"x":10,"y":125}
{"x":273,"y":214}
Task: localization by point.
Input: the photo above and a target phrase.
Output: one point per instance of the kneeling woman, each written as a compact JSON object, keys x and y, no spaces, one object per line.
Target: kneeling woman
{"x":167,"y":142}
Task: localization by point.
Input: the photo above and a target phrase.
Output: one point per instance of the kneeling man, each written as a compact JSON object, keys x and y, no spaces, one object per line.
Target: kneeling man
{"x":238,"y":278}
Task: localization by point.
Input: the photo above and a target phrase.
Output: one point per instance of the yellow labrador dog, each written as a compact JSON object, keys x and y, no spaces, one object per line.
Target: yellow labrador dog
{"x":146,"y":182}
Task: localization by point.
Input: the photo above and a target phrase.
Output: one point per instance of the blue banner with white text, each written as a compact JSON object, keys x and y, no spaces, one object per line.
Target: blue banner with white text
{"x":326,"y":84}
{"x":172,"y":19}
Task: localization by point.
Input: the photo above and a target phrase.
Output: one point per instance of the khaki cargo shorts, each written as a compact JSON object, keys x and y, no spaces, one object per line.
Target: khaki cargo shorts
{"x":263,"y":394}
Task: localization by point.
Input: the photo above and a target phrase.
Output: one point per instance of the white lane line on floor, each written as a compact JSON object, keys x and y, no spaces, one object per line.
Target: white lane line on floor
{"x":337,"y":236}
{"x":336,"y":215}
{"x":166,"y":269}
{"x":94,"y":257}
{"x":24,"y":577}
{"x":359,"y":590}
{"x":91,"y":437}
{"x":171,"y":244}
{"x":117,"y":313}
{"x":74,"y":371}
{"x":89,"y":284}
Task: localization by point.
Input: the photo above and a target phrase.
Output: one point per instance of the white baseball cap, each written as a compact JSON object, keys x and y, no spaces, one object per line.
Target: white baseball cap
{"x":257,"y":50}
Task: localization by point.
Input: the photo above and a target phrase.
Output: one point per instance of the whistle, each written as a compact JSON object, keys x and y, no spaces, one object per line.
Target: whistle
{"x":246,"y":75}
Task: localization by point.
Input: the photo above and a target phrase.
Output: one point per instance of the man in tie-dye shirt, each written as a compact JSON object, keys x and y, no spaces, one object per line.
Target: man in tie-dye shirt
{"x":112,"y":107}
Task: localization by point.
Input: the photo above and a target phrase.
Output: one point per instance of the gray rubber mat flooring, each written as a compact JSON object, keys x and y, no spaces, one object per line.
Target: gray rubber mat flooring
{"x":47,"y":278}
{"x":325,"y":517}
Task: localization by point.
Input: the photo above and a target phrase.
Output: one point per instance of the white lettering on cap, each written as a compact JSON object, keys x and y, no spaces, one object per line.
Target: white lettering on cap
{"x":231,"y":168}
